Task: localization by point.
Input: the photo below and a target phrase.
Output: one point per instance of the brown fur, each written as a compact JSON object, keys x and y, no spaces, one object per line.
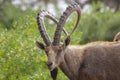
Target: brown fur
{"x":92,"y":62}
{"x":117,"y":37}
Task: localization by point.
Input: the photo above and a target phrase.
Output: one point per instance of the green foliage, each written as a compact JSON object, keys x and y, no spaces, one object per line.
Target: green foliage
{"x":8,"y":13}
{"x":99,"y":26}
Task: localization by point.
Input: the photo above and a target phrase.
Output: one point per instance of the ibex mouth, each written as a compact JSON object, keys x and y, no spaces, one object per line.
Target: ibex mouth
{"x":52,"y":68}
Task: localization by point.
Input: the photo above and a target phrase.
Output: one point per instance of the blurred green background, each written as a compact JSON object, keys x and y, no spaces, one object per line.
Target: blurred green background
{"x":20,"y":59}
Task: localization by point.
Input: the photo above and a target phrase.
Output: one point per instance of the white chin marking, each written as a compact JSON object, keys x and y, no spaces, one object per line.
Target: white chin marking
{"x":51,"y":69}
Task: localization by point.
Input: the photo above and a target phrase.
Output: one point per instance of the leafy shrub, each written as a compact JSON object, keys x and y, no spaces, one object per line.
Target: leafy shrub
{"x":99,"y":26}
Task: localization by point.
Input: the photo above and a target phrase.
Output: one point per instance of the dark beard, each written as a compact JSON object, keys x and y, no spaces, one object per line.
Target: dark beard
{"x":54,"y":73}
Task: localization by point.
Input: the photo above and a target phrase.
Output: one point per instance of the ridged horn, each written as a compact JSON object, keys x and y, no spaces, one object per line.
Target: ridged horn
{"x":41,"y":26}
{"x":70,"y":9}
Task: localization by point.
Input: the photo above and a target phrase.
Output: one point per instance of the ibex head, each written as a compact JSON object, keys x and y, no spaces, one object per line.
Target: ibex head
{"x":54,"y":50}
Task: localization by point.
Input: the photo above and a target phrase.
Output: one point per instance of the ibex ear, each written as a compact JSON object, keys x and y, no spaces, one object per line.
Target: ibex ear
{"x":67,"y":41}
{"x":40,"y":45}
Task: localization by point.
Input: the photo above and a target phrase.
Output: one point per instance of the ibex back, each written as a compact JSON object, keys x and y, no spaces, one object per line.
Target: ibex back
{"x":98,"y":60}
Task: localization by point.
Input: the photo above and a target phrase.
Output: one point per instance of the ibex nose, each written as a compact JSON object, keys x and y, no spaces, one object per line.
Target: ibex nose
{"x":49,"y":64}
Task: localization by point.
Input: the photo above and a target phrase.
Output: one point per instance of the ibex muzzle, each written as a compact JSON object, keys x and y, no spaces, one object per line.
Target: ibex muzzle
{"x":98,"y":60}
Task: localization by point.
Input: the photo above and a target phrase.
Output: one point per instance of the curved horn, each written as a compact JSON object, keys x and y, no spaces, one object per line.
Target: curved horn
{"x":63,"y":19}
{"x":41,"y":26}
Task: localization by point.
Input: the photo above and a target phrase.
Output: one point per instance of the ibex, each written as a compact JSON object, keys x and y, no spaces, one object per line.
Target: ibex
{"x":98,"y":60}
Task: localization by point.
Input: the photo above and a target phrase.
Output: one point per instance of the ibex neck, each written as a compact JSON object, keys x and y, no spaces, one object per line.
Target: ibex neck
{"x":72,"y":61}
